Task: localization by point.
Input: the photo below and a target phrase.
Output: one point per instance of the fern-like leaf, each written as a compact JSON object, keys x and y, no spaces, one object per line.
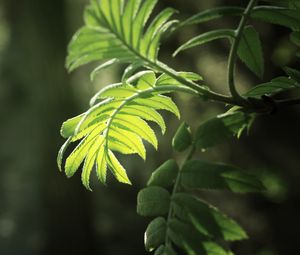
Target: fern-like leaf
{"x":114,"y":32}
{"x":117,"y":122}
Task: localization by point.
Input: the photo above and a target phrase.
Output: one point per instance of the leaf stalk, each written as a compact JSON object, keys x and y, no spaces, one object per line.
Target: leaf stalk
{"x":234,"y":51}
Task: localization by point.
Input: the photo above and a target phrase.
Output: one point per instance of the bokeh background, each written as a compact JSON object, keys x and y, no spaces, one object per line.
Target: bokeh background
{"x":42,"y":212}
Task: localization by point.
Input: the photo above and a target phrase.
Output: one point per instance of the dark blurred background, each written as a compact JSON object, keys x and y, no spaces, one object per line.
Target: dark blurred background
{"x":41,"y":212}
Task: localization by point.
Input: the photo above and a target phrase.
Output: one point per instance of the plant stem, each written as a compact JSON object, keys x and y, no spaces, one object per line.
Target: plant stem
{"x":203,"y":91}
{"x":287,"y":102}
{"x":234,"y":51}
{"x":175,"y":190}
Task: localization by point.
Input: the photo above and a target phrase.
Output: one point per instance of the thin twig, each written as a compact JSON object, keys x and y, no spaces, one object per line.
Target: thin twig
{"x":234,"y":51}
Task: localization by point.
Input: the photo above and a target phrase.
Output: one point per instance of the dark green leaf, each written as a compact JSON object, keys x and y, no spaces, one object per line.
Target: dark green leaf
{"x":221,"y":128}
{"x":208,"y":175}
{"x":273,"y":87}
{"x":277,"y":15}
{"x":214,"y":13}
{"x":153,"y":201}
{"x":295,"y":38}
{"x":183,"y":138}
{"x":207,"y":219}
{"x":155,"y":233}
{"x":293,"y":74}
{"x":250,"y":51}
{"x":162,"y":250}
{"x":193,"y":243}
{"x":205,"y":38}
{"x":165,"y":175}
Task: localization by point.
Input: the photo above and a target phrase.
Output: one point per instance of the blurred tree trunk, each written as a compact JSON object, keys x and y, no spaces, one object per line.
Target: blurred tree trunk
{"x":38,"y":84}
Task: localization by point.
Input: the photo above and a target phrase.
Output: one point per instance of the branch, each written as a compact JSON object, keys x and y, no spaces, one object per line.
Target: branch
{"x":288,"y":102}
{"x":234,"y":49}
{"x":176,"y":189}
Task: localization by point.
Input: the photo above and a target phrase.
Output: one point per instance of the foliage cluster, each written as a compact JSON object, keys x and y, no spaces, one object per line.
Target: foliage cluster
{"x":117,"y":120}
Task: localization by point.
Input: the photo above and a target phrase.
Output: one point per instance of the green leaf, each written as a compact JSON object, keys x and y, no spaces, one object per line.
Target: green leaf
{"x":110,"y":36}
{"x":102,"y":66}
{"x":295,"y":37}
{"x":275,"y":86}
{"x":221,"y":128}
{"x":165,"y":175}
{"x":145,"y":113}
{"x":159,"y":103}
{"x":77,"y":156}
{"x":277,"y":15}
{"x":153,"y":201}
{"x":293,"y":74}
{"x":165,"y":80}
{"x":69,"y":126}
{"x":162,"y":250}
{"x":147,"y":80}
{"x":183,"y":138}
{"x":155,"y":233}
{"x":117,"y":169}
{"x":101,"y":165}
{"x":208,"y":175}
{"x":116,"y":124}
{"x":250,"y":51}
{"x":207,"y":219}
{"x":212,"y":14}
{"x":61,"y":153}
{"x":187,"y":238}
{"x":89,"y":162}
{"x":137,"y":126}
{"x":205,"y":38}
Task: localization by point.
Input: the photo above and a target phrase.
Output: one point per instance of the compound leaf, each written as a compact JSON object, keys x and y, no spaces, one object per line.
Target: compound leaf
{"x":116,"y":124}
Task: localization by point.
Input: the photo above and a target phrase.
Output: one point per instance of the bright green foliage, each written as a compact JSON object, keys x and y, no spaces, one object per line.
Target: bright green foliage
{"x":117,"y":123}
{"x":183,"y":138}
{"x":153,"y":201}
{"x":250,"y":51}
{"x":114,"y":31}
{"x":221,"y":128}
{"x":209,"y":175}
{"x":165,"y":175}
